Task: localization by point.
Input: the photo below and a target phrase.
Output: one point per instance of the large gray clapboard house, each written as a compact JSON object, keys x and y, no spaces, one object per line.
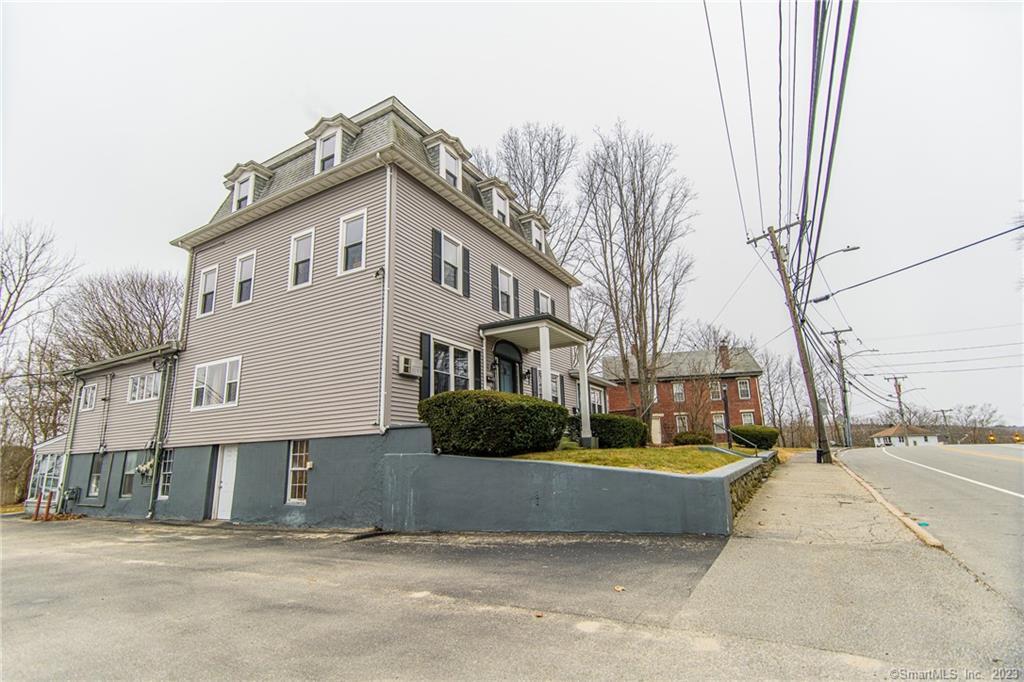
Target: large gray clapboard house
{"x":341,"y":281}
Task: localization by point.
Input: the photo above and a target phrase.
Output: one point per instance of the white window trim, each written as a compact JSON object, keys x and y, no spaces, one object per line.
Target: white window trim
{"x":739,"y":392}
{"x":681,"y":385}
{"x":511,"y":292}
{"x":291,"y":258}
{"x":94,"y":390}
{"x":238,"y":273}
{"x":535,"y":230}
{"x":320,"y":150}
{"x":541,"y":294}
{"x":199,"y":299}
{"x":451,"y":370}
{"x":711,"y":390}
{"x":458,"y":280}
{"x":143,"y":378}
{"x":251,"y":177}
{"x":724,"y":429}
{"x":297,"y":501}
{"x":195,"y":374}
{"x":753,"y":418}
{"x":441,"y":149}
{"x":685,"y":417}
{"x":159,"y":481}
{"x":495,"y":193}
{"x":556,"y":388}
{"x":361,"y":213}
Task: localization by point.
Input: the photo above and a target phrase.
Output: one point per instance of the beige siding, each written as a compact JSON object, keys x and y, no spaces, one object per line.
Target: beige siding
{"x":128,"y":426}
{"x":310,"y":356}
{"x":420,"y":305}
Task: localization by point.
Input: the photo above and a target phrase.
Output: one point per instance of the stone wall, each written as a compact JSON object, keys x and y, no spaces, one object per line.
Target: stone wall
{"x":743,"y":487}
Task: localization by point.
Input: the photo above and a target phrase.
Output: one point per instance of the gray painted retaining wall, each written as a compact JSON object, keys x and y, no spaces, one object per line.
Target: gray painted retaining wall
{"x":424,"y":492}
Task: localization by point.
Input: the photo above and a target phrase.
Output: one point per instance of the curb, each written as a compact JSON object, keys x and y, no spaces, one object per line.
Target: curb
{"x":922,"y":535}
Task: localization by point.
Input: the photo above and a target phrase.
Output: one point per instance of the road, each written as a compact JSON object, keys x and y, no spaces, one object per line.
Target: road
{"x":971,"y":497}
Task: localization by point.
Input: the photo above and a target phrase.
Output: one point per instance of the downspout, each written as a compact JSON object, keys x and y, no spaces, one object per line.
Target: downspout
{"x":385,"y":328}
{"x":66,"y":465}
{"x":166,"y":389}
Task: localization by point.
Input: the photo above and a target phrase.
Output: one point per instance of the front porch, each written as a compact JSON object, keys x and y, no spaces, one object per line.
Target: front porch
{"x":536,"y":334}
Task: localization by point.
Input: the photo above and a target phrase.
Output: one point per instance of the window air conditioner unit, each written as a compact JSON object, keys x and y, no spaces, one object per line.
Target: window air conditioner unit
{"x":409,"y":366}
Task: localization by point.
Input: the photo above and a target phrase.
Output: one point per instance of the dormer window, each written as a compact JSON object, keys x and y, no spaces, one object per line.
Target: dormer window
{"x":500,"y":202}
{"x":538,"y":236}
{"x":451,"y":168}
{"x":243,"y":192}
{"x":327,"y":152}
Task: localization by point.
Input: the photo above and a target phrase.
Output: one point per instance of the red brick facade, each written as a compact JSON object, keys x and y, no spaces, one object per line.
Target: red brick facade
{"x":698,"y":405}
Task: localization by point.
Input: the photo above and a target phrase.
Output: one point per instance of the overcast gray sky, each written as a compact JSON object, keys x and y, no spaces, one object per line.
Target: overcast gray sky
{"x":120,"y":120}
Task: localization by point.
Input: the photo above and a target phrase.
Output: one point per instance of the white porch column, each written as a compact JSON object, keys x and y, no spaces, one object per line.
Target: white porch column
{"x":483,"y":363}
{"x":545,"y":362}
{"x":581,"y":366}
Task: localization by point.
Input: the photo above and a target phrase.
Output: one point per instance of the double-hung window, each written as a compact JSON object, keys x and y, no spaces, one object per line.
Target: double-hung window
{"x":245,"y":273}
{"x":716,"y":390}
{"x":216,"y":384}
{"x":131,"y":462}
{"x":543,"y":303}
{"x":451,"y":262}
{"x":556,"y":387}
{"x":682,"y":423}
{"x":87,"y":398}
{"x":743,"y":388}
{"x":95,"y":470}
{"x":538,"y":236}
{"x":243,"y":193}
{"x":451,"y":168}
{"x":207,"y":290}
{"x":718,"y":419}
{"x":452,"y":371}
{"x":327,"y":154}
{"x":353,"y":237}
{"x":747,"y":417}
{"x":144,"y":387}
{"x":298,"y":472}
{"x":166,"y":472}
{"x":678,"y":392}
{"x":596,"y":400}
{"x":300,"y":270}
{"x":505,"y":291}
{"x":500,"y":206}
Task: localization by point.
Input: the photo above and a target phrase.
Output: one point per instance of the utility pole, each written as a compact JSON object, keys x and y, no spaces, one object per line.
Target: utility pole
{"x":843,"y":393}
{"x":823,"y":454}
{"x":945,"y":422}
{"x":899,"y":403}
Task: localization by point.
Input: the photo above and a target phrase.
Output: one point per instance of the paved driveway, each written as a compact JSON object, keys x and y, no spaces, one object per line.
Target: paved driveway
{"x":971,"y":497}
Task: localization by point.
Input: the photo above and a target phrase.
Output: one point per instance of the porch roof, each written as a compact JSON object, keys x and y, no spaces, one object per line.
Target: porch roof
{"x":525,"y":332}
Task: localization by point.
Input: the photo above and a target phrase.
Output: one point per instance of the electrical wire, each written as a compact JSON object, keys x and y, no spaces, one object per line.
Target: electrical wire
{"x":750,"y":103}
{"x":969,"y":369}
{"x":948,"y":331}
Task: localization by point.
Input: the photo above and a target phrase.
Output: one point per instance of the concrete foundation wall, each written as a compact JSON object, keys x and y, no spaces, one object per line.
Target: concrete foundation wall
{"x":425,"y":492}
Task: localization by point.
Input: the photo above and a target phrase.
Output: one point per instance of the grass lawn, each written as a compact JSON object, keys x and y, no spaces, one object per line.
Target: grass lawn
{"x":678,"y":460}
{"x":785,"y":454}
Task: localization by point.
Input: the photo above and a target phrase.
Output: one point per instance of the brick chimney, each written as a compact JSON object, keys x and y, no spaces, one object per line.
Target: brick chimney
{"x":723,"y":356}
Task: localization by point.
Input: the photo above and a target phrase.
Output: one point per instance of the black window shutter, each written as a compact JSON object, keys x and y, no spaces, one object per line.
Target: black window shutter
{"x":515,"y":297}
{"x":534,"y":374}
{"x":494,"y":287}
{"x":435,"y":257}
{"x":561,"y":389}
{"x":478,"y":374}
{"x":425,"y":359}
{"x":536,"y":302}
{"x":465,"y":272}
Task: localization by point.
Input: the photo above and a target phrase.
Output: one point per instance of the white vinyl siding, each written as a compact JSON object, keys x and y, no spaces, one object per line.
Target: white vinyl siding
{"x":245,"y":277}
{"x":353,"y":237}
{"x":216,"y":384}
{"x":207,"y":291}
{"x":144,"y":387}
{"x":87,"y":398}
{"x":121,"y":424}
{"x":300,"y":264}
{"x":298,"y":472}
{"x":743,"y":388}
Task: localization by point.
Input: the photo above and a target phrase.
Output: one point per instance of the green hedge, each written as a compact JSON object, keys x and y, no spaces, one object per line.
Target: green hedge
{"x":612,"y":430}
{"x":692,"y":438}
{"x":762,"y":437}
{"x":492,"y":424}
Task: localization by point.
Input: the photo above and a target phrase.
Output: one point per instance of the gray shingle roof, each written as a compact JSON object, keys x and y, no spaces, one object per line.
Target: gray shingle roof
{"x":693,"y":363}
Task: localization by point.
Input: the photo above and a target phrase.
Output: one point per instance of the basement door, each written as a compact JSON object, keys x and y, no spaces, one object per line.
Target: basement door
{"x":224,"y":493}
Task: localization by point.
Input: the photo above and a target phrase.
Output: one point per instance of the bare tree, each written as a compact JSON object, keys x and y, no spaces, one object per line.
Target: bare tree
{"x":592,"y":315}
{"x":975,"y":421}
{"x":636,"y":218}
{"x":774,"y":391}
{"x":31,"y":269}
{"x":115,"y":313}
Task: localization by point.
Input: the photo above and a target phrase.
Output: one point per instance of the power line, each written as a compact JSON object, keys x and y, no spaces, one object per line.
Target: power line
{"x":969,"y":369}
{"x":914,"y":265}
{"x":949,"y":350}
{"x":946,"y":362}
{"x":725,"y":119}
{"x":750,"y":102}
{"x":735,"y":291}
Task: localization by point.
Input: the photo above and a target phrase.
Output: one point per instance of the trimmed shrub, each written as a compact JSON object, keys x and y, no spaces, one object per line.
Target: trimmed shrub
{"x":492,"y":424}
{"x":761,"y":437}
{"x":612,"y":430}
{"x":692,"y":438}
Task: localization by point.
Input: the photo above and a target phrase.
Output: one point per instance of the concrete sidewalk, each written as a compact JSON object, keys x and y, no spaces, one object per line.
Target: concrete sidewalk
{"x":817,"y":562}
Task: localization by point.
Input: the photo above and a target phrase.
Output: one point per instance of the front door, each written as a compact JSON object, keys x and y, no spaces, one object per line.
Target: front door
{"x":656,"y":429}
{"x":224,"y":493}
{"x":508,"y":376}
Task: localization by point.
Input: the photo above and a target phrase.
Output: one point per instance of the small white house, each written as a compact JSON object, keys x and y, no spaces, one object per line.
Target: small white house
{"x":47,"y":469}
{"x":904,"y":436}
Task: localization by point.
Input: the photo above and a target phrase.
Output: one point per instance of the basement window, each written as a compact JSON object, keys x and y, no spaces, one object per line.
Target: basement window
{"x":298,"y":472}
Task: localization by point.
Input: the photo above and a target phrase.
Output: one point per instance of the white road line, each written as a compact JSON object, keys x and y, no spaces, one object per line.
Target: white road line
{"x":962,"y":478}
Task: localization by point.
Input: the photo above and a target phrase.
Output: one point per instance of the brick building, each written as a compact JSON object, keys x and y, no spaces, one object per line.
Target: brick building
{"x":686,"y":395}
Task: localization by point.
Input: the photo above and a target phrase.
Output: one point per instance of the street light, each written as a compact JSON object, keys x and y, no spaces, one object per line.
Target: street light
{"x":845,"y":249}
{"x":861,"y":352}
